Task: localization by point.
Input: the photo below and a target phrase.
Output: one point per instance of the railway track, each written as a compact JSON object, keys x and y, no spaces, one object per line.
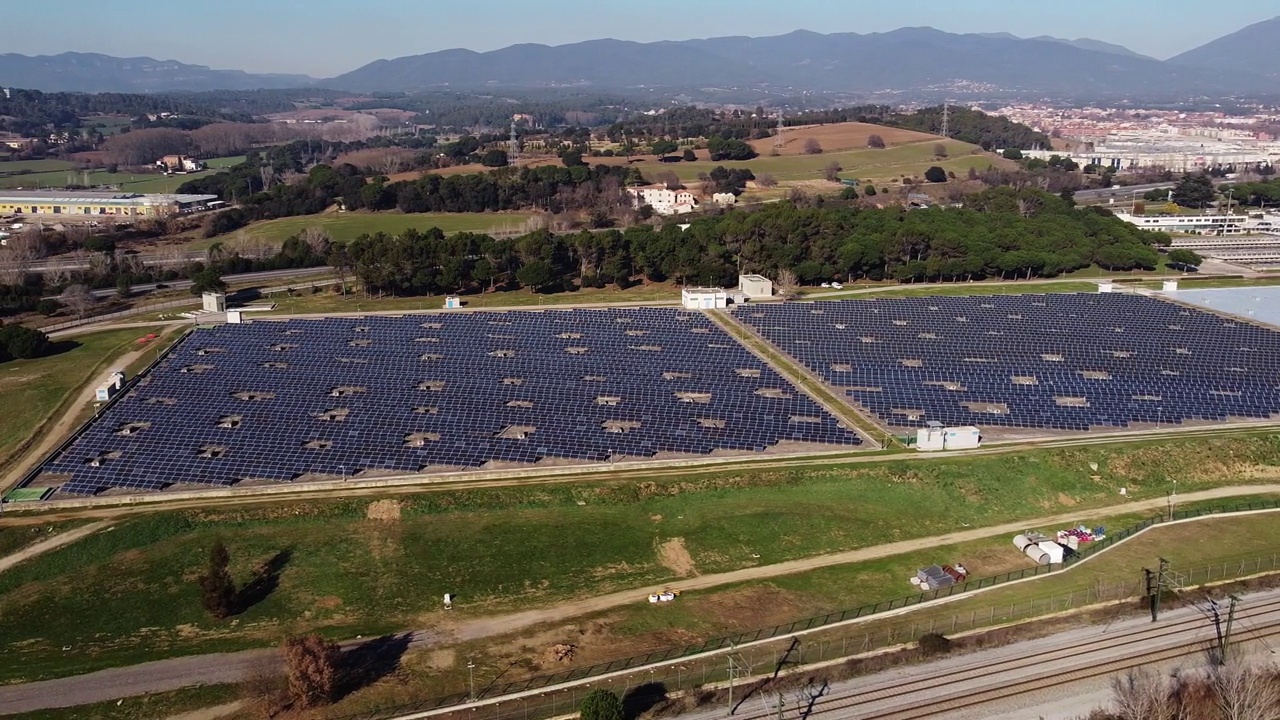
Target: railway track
{"x":968,"y":687}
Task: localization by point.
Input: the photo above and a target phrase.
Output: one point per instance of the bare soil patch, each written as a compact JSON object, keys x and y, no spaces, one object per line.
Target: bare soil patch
{"x":386,"y":510}
{"x":675,"y":557}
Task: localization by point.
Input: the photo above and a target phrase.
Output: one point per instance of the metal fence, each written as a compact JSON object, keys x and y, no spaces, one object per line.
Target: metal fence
{"x":142,"y":309}
{"x":665,"y":664}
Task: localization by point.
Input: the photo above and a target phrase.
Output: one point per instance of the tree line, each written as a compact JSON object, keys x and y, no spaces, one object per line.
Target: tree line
{"x":1000,"y":233}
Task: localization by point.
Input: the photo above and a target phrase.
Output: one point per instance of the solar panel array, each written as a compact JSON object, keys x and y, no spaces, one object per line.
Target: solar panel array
{"x":1062,"y":362}
{"x":277,"y":400}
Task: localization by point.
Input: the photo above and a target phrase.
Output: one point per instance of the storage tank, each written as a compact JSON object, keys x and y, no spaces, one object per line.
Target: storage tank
{"x":1039,"y":556}
{"x":1021,"y":542}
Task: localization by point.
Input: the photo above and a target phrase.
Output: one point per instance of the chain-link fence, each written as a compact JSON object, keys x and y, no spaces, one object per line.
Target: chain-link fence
{"x":684,"y":667}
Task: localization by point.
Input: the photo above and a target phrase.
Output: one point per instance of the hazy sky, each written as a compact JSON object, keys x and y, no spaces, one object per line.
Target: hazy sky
{"x":328,"y":37}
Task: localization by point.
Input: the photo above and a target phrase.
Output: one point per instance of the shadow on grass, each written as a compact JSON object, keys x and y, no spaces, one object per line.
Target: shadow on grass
{"x":266,"y":578}
{"x":643,"y":698}
{"x":369,"y":662}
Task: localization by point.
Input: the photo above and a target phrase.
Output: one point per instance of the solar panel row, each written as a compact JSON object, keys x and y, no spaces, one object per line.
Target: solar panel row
{"x":278,"y":400}
{"x":1066,"y":362}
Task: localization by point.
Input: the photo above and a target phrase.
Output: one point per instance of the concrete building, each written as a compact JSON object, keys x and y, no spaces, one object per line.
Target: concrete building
{"x":725,"y":199}
{"x":96,"y":202}
{"x":755,"y":286}
{"x":213,"y":302}
{"x":934,"y":437}
{"x":704,"y":298}
{"x":1216,"y":224}
{"x":662,"y":200}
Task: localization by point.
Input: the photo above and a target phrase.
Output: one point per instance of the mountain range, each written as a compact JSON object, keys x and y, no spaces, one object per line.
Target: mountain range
{"x":904,"y":59}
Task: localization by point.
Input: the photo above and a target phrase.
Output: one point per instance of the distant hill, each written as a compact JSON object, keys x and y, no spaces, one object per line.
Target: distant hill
{"x":1250,"y":50}
{"x":802,"y":60}
{"x":94,"y":73}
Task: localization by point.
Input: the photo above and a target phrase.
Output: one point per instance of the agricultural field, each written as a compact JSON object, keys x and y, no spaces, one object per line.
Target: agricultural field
{"x":345,"y":227}
{"x":839,"y":137}
{"x":345,"y":568}
{"x":57,"y":173}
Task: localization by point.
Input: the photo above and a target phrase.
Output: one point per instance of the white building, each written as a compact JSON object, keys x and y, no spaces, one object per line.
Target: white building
{"x":724,"y":199}
{"x":1204,"y":224}
{"x":662,"y":200}
{"x":935,"y":437}
{"x":108,"y":389}
{"x":213,"y":302}
{"x":755,"y":286}
{"x":704,"y":298}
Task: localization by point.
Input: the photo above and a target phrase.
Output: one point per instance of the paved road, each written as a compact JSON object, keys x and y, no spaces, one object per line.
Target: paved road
{"x":176,"y":673}
{"x":253,"y":277}
{"x":1041,"y":677}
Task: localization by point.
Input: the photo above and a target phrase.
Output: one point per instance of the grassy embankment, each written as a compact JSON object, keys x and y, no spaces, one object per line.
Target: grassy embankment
{"x":35,"y":174}
{"x":133,"y":597}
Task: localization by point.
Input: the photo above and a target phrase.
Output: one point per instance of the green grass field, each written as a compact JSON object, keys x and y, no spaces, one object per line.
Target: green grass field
{"x":143,"y":707}
{"x":348,"y":226}
{"x":329,"y":301}
{"x":511,"y":548}
{"x":34,"y":389}
{"x":57,"y":173}
{"x":879,"y":165}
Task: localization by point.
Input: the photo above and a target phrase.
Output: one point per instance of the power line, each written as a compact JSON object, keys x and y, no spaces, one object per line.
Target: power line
{"x":946,"y":119}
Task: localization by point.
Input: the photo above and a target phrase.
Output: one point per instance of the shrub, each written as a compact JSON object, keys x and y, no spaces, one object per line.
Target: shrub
{"x":601,"y":705}
{"x":312,"y":665}
{"x":931,"y":644}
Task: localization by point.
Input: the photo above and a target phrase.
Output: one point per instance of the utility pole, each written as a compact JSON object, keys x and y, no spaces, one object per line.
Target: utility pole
{"x":780,"y":703}
{"x":1225,"y":641}
{"x":1156,"y":583}
{"x":732,"y":670}
{"x":778,"y":141}
{"x":515,"y":142}
{"x":471,"y":679}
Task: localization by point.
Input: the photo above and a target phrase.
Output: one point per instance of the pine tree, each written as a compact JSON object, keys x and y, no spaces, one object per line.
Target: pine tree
{"x":217,"y":589}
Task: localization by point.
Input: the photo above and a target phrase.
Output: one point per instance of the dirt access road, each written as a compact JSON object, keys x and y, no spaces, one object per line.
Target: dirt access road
{"x":53,"y":543}
{"x":176,"y":673}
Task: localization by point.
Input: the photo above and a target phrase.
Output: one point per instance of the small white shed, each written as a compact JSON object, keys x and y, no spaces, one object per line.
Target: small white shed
{"x":755,"y":286}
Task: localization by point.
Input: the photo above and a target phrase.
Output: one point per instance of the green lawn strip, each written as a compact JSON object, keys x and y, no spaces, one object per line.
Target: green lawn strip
{"x":134,"y":598}
{"x":16,"y":537}
{"x":345,"y":227}
{"x":902,"y":160}
{"x":37,"y":391}
{"x":34,"y":166}
{"x":156,"y":706}
{"x":329,"y":301}
{"x":1185,"y":283}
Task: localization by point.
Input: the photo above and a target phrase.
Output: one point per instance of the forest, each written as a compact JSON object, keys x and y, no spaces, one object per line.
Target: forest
{"x":1000,"y":233}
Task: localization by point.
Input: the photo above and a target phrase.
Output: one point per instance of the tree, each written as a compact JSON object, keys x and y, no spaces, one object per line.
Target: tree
{"x":722,"y":149}
{"x":832,"y":172}
{"x":1139,"y":208}
{"x":495,"y":159}
{"x":207,"y":280}
{"x":766,"y":180}
{"x":812,"y":146}
{"x":124,"y":288}
{"x":601,"y":704}
{"x":536,"y":275}
{"x":939,"y":150}
{"x":573,"y":158}
{"x":935,"y":174}
{"x":22,"y":343}
{"x":1194,"y":191}
{"x":1011,"y":154}
{"x":869,"y":191}
{"x":690,"y":155}
{"x":786,"y":284}
{"x":1184,"y":257}
{"x":849,"y":193}
{"x":1068,"y":196}
{"x":78,"y":299}
{"x":313,"y":667}
{"x":217,"y":589}
{"x":875,"y":142}
{"x":663,"y":148}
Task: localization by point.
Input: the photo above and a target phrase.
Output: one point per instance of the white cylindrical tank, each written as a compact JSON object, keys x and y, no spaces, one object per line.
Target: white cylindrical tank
{"x":1021,"y":542}
{"x":1039,"y":556}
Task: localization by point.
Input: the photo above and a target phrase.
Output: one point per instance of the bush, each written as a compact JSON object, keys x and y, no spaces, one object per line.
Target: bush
{"x":48,"y":307}
{"x":601,"y":705}
{"x":932,"y":644}
{"x":875,"y":142}
{"x":495,"y":159}
{"x":812,"y":147}
{"x":935,"y":174}
{"x":689,"y":155}
{"x":225,"y":222}
{"x":23,"y":343}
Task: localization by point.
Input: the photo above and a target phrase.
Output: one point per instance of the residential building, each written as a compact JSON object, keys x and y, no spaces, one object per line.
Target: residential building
{"x":724,"y":199}
{"x":180,"y":163}
{"x":91,"y":202}
{"x":662,"y":200}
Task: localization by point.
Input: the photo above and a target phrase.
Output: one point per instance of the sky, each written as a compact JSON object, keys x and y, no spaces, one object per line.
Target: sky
{"x":323,"y":38}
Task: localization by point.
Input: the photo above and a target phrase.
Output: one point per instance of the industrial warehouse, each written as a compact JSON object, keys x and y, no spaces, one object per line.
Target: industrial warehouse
{"x":97,"y":202}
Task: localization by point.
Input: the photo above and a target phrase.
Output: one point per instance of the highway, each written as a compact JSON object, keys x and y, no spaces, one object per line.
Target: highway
{"x":1039,"y":675}
{"x":254,"y":277}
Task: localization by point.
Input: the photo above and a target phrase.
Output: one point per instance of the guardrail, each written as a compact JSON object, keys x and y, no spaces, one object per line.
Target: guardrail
{"x":496,"y":693}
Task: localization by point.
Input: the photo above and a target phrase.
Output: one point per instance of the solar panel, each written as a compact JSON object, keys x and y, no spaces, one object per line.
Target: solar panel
{"x":1062,"y":362}
{"x":278,"y":400}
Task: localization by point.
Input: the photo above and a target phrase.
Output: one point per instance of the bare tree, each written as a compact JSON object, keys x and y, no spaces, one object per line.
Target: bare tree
{"x":268,"y":175}
{"x":391,"y":163}
{"x":832,"y":172}
{"x":876,"y":142}
{"x":1142,"y":694}
{"x":669,"y":179}
{"x":786,"y":284}
{"x":1246,"y":693}
{"x":939,"y":150}
{"x":812,"y":146}
{"x":766,"y":180}
{"x":78,"y":299}
{"x":316,"y":238}
{"x":313,"y":666}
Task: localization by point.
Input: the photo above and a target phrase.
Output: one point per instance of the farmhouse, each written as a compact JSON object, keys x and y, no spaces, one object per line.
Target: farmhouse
{"x":90,"y":202}
{"x":663,"y":201}
{"x":179,"y":163}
